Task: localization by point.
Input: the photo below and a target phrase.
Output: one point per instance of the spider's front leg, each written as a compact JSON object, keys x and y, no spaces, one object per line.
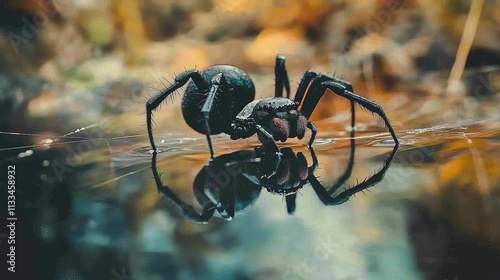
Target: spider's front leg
{"x":309,"y":99}
{"x":316,"y":91}
{"x":156,"y":100}
{"x":372,"y":106}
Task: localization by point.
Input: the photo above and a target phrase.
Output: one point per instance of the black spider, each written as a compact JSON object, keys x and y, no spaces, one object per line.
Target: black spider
{"x":231,"y":182}
{"x":220,"y":99}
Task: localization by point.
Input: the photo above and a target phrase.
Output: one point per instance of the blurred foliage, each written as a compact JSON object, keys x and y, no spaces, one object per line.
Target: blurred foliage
{"x":402,"y":32}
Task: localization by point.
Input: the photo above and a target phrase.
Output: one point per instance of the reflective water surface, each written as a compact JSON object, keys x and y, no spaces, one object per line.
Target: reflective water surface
{"x":94,"y":207}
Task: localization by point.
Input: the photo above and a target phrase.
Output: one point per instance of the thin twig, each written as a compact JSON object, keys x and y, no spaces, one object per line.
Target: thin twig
{"x":465,"y":45}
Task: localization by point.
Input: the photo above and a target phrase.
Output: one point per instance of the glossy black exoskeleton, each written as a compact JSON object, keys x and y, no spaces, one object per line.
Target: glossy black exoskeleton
{"x":220,"y":99}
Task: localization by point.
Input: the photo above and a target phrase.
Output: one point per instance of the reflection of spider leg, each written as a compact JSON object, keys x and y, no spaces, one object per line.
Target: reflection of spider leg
{"x":347,"y":173}
{"x":326,"y":196}
{"x":290,"y":202}
{"x":156,"y":100}
{"x":281,"y":77}
{"x":187,"y":210}
{"x":343,"y":89}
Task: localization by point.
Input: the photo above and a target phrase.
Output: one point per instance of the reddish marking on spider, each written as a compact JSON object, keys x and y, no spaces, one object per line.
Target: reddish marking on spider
{"x":281,"y":129}
{"x":301,"y":126}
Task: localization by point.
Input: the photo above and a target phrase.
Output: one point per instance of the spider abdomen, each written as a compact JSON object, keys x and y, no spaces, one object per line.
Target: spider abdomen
{"x":237,"y":91}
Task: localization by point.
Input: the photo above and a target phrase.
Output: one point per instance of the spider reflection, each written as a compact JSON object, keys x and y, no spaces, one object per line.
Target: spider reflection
{"x":231,"y":182}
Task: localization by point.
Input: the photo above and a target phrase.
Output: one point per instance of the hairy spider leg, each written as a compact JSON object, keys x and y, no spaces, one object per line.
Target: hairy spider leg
{"x":156,"y":100}
{"x":314,"y":130}
{"x":372,"y":106}
{"x":217,"y":82}
{"x":309,"y":76}
{"x":326,"y":196}
{"x":281,"y":77}
{"x":314,"y":164}
{"x":304,"y":83}
{"x":187,"y":210}
{"x":309,"y":103}
{"x":348,"y":171}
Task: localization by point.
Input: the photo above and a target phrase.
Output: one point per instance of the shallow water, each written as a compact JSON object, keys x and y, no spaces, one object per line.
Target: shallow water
{"x":88,"y":199}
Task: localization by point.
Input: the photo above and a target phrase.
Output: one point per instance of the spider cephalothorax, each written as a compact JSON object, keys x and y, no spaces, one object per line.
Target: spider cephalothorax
{"x":220,"y":100}
{"x":279,"y":114}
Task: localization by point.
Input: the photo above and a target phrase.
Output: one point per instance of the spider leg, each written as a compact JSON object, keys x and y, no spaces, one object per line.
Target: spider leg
{"x":314,"y":164}
{"x":347,"y":173}
{"x":187,"y":210}
{"x":281,"y":77}
{"x":314,"y":130}
{"x":326,"y":196}
{"x":312,"y":98}
{"x":342,"y":89}
{"x":156,"y":100}
{"x":315,"y":92}
{"x":304,"y":82}
{"x":217,"y":81}
{"x":370,"y":105}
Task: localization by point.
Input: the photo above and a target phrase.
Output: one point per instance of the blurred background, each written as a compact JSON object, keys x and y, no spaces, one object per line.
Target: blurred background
{"x":74,"y":79}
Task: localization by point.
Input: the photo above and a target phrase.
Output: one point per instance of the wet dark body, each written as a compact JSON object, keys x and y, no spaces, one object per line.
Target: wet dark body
{"x":220,"y":99}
